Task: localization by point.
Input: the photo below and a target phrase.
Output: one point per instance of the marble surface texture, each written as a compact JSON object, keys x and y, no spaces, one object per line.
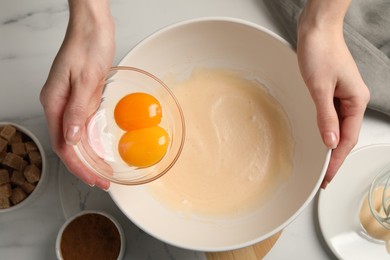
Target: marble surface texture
{"x":30,"y":35}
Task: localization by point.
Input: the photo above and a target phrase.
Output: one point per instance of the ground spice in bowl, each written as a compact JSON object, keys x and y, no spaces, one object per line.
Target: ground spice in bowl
{"x":91,"y":235}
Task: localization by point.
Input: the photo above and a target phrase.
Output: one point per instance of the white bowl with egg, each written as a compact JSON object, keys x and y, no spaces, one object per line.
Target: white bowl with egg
{"x":256,"y":55}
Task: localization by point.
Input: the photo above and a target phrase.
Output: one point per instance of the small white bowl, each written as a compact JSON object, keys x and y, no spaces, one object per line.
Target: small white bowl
{"x":33,"y":195}
{"x":86,"y":212}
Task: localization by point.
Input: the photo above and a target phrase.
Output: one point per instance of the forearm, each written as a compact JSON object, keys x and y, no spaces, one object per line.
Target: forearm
{"x":323,"y":14}
{"x":90,"y":11}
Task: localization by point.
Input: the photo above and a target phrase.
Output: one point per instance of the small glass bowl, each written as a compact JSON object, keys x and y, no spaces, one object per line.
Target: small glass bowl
{"x":98,"y":148}
{"x":379,"y":197}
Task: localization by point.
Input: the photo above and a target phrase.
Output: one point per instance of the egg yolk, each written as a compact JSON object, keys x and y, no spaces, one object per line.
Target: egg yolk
{"x":137,"y":110}
{"x":143,"y":147}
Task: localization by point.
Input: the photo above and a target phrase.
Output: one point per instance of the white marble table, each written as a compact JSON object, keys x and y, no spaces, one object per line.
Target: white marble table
{"x":30,"y":35}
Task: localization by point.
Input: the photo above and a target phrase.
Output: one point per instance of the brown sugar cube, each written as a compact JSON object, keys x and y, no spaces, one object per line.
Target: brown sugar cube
{"x":4,"y":203}
{"x":17,"y":178}
{"x":17,"y":195}
{"x":19,"y":149}
{"x":28,"y":187}
{"x":17,"y":138}
{"x":35,"y":158}
{"x":8,"y":132}
{"x":4,"y":176}
{"x":23,"y":165}
{"x":5,"y":190}
{"x":2,"y":156}
{"x":30,"y":146}
{"x":3,"y":144}
{"x":14,"y":161}
{"x":32,"y":173}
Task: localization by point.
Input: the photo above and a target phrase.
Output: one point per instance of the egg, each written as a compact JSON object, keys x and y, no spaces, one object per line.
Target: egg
{"x":144,"y":142}
{"x":143,"y":147}
{"x":137,"y":110}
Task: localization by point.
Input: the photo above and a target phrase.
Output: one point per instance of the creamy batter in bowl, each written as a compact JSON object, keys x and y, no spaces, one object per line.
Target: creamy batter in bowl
{"x":239,"y":146}
{"x":258,"y":56}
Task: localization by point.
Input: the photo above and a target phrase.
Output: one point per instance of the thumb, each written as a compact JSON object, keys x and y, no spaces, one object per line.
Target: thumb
{"x":328,"y":122}
{"x":79,"y":108}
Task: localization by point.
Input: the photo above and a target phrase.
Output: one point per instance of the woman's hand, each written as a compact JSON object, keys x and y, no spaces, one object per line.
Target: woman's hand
{"x":73,"y":89}
{"x":332,"y":77}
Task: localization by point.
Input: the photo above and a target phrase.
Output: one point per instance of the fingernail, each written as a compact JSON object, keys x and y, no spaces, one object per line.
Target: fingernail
{"x":72,"y":135}
{"x":103,"y":184}
{"x":330,"y":140}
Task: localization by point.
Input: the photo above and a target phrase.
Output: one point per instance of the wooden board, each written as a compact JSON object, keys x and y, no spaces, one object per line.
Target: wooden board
{"x":255,"y":252}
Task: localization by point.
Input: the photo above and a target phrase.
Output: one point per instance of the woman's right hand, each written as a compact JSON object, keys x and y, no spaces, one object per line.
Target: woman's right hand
{"x":73,"y":88}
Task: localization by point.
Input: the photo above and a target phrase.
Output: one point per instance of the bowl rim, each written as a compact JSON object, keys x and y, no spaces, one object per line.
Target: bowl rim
{"x":182,"y":127}
{"x":86,"y":212}
{"x":40,"y":183}
{"x":321,"y":175}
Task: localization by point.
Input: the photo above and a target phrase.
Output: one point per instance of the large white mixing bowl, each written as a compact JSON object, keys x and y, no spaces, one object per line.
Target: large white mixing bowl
{"x":238,"y":45}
